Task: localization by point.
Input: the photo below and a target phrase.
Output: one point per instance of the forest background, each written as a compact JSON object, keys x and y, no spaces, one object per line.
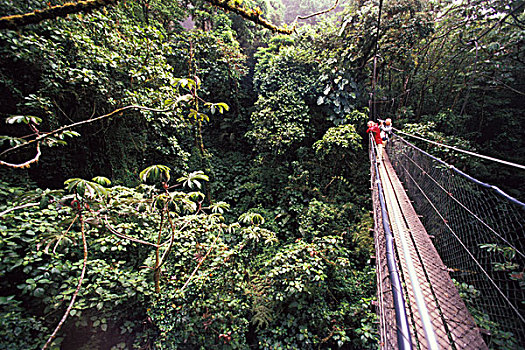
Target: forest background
{"x":214,"y":190}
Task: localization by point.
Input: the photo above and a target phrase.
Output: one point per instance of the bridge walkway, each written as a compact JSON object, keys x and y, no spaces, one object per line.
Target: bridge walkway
{"x":438,"y":317}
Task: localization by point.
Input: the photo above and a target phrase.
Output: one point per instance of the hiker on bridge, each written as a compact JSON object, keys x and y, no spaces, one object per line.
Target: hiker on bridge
{"x":386,"y":129}
{"x":374,"y":128}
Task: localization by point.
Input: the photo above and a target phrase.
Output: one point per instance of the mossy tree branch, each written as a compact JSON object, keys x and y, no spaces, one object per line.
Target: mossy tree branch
{"x":37,"y":16}
{"x":252,"y":15}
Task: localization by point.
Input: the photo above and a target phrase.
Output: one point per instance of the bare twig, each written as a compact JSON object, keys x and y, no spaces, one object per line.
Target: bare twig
{"x":68,"y":311}
{"x":64,"y":113}
{"x":172,"y":238}
{"x":320,"y":12}
{"x":502,"y":83}
{"x":333,"y":179}
{"x":74,"y":125}
{"x":199,"y":264}
{"x":25,"y":164}
{"x":71,"y":224}
{"x":27,"y":205}
{"x":156,"y":274}
{"x":67,"y":231}
{"x":471,"y":80}
{"x":121,"y":235}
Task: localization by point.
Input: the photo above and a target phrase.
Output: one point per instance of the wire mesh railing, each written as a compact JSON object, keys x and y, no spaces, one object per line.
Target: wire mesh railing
{"x":479,"y":233}
{"x":393,"y":319}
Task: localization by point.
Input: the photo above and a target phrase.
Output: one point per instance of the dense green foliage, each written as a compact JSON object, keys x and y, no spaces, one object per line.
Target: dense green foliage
{"x":253,"y":229}
{"x":251,"y":289}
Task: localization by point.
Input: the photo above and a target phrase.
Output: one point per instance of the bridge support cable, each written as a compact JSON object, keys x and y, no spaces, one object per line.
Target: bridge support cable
{"x":448,"y":323}
{"x":469,"y":253}
{"x":488,"y":227}
{"x":402,"y":328}
{"x":426,"y":260}
{"x":415,"y":283}
{"x":478,"y":231}
{"x":453,"y":325}
{"x":515,"y":165}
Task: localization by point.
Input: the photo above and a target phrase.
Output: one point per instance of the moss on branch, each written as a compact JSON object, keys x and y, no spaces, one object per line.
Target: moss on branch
{"x":249,"y":14}
{"x":37,"y":16}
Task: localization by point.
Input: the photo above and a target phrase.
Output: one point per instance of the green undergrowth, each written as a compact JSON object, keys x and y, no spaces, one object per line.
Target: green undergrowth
{"x":227,"y":283}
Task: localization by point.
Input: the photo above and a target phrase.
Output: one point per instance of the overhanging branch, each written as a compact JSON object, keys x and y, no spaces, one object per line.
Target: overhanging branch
{"x":320,"y":12}
{"x":74,"y":125}
{"x":37,"y":16}
{"x":26,"y":164}
{"x":252,"y":15}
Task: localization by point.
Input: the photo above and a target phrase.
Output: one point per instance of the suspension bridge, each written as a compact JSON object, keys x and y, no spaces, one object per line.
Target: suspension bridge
{"x":449,"y":254}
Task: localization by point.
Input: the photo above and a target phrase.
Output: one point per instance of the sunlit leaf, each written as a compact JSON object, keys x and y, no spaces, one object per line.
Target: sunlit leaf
{"x":193,"y":179}
{"x":155,"y":173}
{"x":101,"y":180}
{"x":219,"y":207}
{"x":68,"y":133}
{"x":251,"y":219}
{"x":26,"y":119}
{"x":12,"y":141}
{"x":198,"y":196}
{"x":85,"y":188}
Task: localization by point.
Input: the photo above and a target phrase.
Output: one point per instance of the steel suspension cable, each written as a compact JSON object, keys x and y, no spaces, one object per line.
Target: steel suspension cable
{"x":418,"y":293}
{"x":519,"y":166}
{"x":483,"y":184}
{"x":465,"y":247}
{"x":454,"y":198}
{"x":403,"y":331}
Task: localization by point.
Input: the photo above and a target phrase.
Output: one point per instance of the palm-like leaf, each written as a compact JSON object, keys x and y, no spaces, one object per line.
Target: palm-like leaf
{"x":219,"y":207}
{"x":251,"y":219}
{"x":86,"y":188}
{"x":193,"y":179}
{"x":101,"y":180}
{"x":155,"y":173}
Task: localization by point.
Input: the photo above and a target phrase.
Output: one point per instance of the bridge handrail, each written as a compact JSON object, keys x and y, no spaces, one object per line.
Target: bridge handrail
{"x":403,"y":332}
{"x":460,"y":203}
{"x":519,"y":166}
{"x":504,"y":297}
{"x":480,"y":265}
{"x":486,"y":185}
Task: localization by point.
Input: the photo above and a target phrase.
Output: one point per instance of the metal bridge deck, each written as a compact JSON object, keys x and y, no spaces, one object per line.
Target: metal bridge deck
{"x":449,"y":325}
